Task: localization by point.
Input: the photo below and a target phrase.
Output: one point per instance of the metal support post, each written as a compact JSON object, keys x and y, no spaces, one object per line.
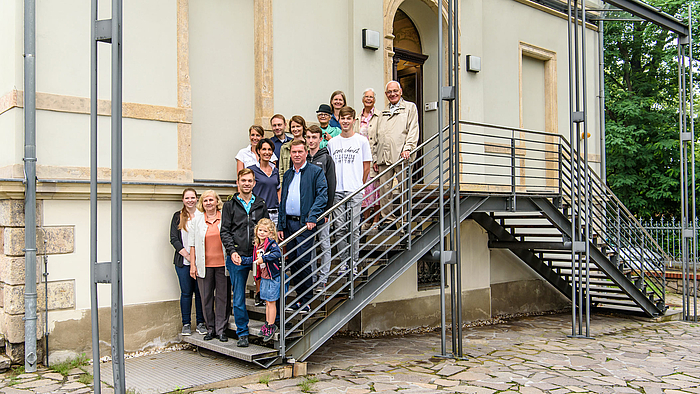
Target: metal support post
{"x":93,"y":202}
{"x":108,"y":31}
{"x":692,"y":161}
{"x":457,"y":227}
{"x":441,"y":202}
{"x":30,"y":357}
{"x":351,"y":225}
{"x":409,"y":203}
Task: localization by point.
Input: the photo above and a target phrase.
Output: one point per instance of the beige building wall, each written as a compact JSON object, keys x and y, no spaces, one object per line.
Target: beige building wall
{"x":172,"y":137}
{"x":222,"y":66}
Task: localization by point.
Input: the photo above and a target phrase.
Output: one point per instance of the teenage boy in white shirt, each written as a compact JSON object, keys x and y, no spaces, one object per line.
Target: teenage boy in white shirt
{"x":352,"y":156}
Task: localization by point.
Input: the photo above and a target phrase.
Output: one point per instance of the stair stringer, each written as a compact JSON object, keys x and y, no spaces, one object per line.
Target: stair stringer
{"x":562,"y":223}
{"x":324,"y":329}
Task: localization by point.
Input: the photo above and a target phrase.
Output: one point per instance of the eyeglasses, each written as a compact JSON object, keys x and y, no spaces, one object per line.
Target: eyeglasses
{"x":323,"y":115}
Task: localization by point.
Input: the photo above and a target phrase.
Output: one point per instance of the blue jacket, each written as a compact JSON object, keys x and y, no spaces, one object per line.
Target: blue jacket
{"x":271,"y":257}
{"x":314,"y":194}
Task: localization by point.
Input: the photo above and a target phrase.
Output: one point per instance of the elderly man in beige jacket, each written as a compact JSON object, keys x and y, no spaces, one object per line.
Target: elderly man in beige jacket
{"x":397,"y":136}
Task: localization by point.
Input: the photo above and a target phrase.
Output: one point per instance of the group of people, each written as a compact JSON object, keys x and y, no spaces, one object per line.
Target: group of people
{"x":286,"y":183}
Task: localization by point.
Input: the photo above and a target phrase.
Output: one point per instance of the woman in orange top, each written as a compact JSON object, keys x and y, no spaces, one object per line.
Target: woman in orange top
{"x":208,"y":263}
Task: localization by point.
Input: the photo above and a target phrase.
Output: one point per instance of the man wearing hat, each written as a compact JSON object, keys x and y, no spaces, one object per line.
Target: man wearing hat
{"x":324,"y":117}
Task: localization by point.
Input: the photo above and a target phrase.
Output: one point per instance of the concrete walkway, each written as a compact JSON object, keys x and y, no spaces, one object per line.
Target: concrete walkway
{"x":526,"y":355}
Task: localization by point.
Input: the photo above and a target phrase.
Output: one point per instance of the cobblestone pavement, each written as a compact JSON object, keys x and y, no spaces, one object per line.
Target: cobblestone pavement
{"x":526,"y":355}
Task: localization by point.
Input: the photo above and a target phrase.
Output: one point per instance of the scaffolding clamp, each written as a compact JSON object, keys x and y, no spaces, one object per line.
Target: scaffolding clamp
{"x":688,"y":233}
{"x":103,"y":272}
{"x":577,"y":117}
{"x":103,"y":31}
{"x":578,"y":246}
{"x":686,"y":136}
{"x":448,"y":93}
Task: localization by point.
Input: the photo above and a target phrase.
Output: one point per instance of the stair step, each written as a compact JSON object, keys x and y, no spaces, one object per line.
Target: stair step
{"x":251,"y":353}
{"x":255,"y":329}
{"x":525,"y":225}
{"x":598,"y":300}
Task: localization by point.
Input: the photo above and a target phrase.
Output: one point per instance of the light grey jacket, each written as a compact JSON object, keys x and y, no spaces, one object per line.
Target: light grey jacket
{"x":198,"y":231}
{"x":396,"y":133}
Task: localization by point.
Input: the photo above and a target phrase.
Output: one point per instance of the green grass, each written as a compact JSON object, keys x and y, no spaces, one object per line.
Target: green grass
{"x":86,"y":378}
{"x":307,"y":384}
{"x":66,"y":366}
{"x":16,"y":371}
{"x":264,"y":379}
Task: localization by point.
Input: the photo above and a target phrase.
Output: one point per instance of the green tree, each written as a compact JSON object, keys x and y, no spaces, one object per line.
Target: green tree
{"x":641,"y":83}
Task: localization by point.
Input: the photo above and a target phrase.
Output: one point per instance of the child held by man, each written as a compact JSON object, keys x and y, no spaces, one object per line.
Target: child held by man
{"x":266,"y":262}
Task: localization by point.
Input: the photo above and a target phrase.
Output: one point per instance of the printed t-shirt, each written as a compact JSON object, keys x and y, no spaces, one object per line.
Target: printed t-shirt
{"x":348,"y":155}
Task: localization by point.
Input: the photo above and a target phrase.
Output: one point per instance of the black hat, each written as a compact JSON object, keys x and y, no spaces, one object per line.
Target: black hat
{"x":325,"y":108}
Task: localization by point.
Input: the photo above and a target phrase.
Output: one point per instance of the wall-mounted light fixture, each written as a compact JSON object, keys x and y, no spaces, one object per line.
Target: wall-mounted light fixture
{"x":370,"y":39}
{"x":473,"y":63}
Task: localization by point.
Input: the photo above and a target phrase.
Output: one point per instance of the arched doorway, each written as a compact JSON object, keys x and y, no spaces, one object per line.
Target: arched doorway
{"x":408,"y":61}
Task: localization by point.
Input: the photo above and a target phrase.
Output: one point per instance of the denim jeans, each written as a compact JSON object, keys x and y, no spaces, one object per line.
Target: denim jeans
{"x":188,"y":289}
{"x":348,"y":216}
{"x":239,"y":278}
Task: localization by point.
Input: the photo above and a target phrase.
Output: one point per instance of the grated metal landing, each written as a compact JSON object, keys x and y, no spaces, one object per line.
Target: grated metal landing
{"x":165,"y":372}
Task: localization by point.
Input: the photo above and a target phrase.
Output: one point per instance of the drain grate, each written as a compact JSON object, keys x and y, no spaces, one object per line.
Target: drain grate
{"x":164,"y":372}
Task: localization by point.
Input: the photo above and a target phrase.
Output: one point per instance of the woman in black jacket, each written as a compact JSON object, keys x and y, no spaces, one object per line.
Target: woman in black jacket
{"x":188,"y":286}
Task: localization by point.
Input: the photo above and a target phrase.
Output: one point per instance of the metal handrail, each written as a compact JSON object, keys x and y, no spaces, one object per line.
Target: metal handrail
{"x":360,"y":190}
{"x":371,"y":253}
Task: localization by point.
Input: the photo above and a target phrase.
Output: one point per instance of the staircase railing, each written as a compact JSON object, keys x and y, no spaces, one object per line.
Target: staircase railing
{"x":517,"y":161}
{"x":621,"y":235}
{"x":413,"y":195}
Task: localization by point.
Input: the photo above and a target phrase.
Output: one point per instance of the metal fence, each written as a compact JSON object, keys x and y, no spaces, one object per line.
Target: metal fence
{"x":667,"y":234}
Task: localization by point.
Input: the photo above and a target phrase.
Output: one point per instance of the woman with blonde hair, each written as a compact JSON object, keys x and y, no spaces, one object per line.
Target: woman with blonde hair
{"x":208,"y":264}
{"x":179,"y":237}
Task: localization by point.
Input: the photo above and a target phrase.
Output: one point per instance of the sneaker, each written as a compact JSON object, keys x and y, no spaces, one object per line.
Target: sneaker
{"x":305,"y":309}
{"x":258,"y":300}
{"x":293,"y":307}
{"x":271,"y":331}
{"x":321,"y":288}
{"x":186,"y":329}
{"x":209,"y":336}
{"x":343,"y":270}
{"x":202,"y":328}
{"x":242,"y":341}
{"x":366,"y":226}
{"x":264,"y":329}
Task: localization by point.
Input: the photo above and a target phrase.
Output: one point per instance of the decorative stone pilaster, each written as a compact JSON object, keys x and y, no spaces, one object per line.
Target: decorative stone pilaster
{"x":61,"y":294}
{"x":264,"y":65}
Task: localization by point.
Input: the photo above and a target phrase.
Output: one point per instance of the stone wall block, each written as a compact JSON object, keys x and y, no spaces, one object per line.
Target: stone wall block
{"x":59,"y":240}
{"x":12,"y":213}
{"x":14,"y":327}
{"x":12,"y":269}
{"x":61,"y":296}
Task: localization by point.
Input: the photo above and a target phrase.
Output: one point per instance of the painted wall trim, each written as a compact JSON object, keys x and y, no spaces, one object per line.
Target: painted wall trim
{"x":81,"y":105}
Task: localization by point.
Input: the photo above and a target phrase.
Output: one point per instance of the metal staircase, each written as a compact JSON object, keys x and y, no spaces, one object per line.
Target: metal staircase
{"x":516,"y":184}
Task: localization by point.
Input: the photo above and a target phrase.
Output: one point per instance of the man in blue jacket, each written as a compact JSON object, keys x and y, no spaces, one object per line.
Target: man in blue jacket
{"x":304,"y":198}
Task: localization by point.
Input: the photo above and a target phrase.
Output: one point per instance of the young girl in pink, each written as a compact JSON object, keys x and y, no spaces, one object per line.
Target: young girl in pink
{"x":267,"y":255}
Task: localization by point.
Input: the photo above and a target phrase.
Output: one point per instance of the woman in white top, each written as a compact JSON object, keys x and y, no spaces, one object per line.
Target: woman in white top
{"x":247,"y":157}
{"x":179,"y":238}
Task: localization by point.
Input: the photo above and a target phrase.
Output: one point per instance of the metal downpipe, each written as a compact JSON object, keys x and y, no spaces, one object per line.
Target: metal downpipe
{"x":30,"y":296}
